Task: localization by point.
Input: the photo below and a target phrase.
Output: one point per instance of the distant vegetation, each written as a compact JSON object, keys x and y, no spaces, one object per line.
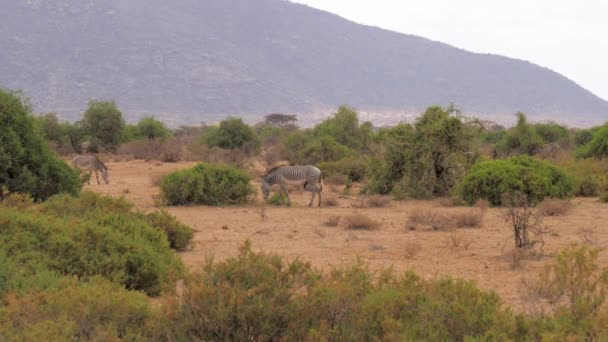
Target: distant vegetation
{"x":76,"y":265}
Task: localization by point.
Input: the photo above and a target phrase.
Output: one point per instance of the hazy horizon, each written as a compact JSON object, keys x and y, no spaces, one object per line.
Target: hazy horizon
{"x":561,"y":35}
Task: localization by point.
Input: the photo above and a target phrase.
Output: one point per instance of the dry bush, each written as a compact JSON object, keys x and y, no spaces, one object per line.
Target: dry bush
{"x":469,"y":219}
{"x":377,"y":201}
{"x":333,"y":221}
{"x":169,"y":151}
{"x":434,"y":220}
{"x":331,"y":201}
{"x":524,"y":221}
{"x":217,"y":155}
{"x":271,"y":157}
{"x":445,"y":202}
{"x":588,"y":236}
{"x":320,"y":233}
{"x":411,"y":249}
{"x":458,"y":243}
{"x":360,"y":222}
{"x":554,"y":207}
{"x":374,"y":201}
{"x":261,"y":211}
{"x":157,"y":178}
{"x":337,"y":179}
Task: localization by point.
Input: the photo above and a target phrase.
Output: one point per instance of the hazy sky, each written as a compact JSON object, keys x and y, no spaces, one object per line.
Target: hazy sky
{"x":570,"y":37}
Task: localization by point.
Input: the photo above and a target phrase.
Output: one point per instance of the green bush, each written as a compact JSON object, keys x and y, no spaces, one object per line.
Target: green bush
{"x":207,"y":184}
{"x":535,"y":178}
{"x":26,"y":163}
{"x":258,"y":296}
{"x":551,"y":132}
{"x":521,"y":139}
{"x":93,"y":236}
{"x":231,"y":134}
{"x":103,"y":122}
{"x":179,"y":234}
{"x":598,"y":146}
{"x":604,"y":197}
{"x":425,"y":160}
{"x":96,"y":310}
{"x":354,"y":168}
{"x":278,"y":199}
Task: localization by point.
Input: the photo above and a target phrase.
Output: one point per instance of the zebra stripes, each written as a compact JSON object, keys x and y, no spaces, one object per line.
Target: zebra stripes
{"x":306,"y":175}
{"x":92,"y":163}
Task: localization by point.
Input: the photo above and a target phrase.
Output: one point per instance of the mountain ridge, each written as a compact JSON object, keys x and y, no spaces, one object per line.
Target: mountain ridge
{"x":192,"y":61}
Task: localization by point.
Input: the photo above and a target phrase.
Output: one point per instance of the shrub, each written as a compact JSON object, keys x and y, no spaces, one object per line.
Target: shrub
{"x":233,"y":133}
{"x":79,"y":311}
{"x":425,"y":160}
{"x":278,"y":199}
{"x":249,"y":297}
{"x":597,"y":147}
{"x":604,"y":197}
{"x":551,"y":132}
{"x":360,"y":222}
{"x":333,"y":221}
{"x":179,"y":234}
{"x":353,"y":168}
{"x":104,"y":123}
{"x":26,"y":163}
{"x":576,"y":286}
{"x":207,"y":184}
{"x":84,"y":237}
{"x":521,"y":139}
{"x":554,"y":207}
{"x":257,"y":296}
{"x":535,"y":178}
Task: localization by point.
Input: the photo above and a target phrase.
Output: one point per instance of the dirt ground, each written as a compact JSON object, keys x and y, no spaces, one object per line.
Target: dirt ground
{"x":481,"y":254}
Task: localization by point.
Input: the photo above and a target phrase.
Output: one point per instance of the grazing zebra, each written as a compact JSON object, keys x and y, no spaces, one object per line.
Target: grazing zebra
{"x":92,"y":163}
{"x":307,"y":175}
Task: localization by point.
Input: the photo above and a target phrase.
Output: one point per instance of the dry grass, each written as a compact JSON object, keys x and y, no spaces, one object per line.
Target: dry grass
{"x":378,"y":201}
{"x":588,"y":236}
{"x":331,"y":201}
{"x":271,"y":157}
{"x":554,"y":207}
{"x":126,"y":191}
{"x":374,"y":201}
{"x":157,"y":178}
{"x":429,"y":218}
{"x":458,"y":243}
{"x":320,"y":233}
{"x":261,"y":211}
{"x":360,"y":222}
{"x":450,"y":202}
{"x":411,"y":249}
{"x":333,"y":221}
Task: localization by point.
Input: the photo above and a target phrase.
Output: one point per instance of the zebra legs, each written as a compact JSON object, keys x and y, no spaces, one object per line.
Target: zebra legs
{"x":97,"y":177}
{"x":314,"y":189}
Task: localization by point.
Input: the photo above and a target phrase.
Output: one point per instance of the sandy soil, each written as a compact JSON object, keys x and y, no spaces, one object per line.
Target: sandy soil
{"x":300,"y":232}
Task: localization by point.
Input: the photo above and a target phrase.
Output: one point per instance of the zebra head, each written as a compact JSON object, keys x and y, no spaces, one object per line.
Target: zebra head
{"x":105,"y":175}
{"x":266,"y":187}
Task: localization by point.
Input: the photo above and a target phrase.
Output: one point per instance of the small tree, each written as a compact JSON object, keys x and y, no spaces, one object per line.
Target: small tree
{"x":104,"y":123}
{"x":598,"y":146}
{"x":524,"y":220}
{"x":521,"y":139}
{"x":152,"y":129}
{"x":278,"y":119}
{"x":233,"y":133}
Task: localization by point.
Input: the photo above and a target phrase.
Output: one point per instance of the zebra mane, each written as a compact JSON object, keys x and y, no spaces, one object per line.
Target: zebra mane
{"x":274,"y":168}
{"x":102,"y":164}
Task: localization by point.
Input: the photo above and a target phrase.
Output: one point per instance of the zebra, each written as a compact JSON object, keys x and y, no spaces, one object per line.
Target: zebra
{"x":307,"y":175}
{"x":92,"y":163}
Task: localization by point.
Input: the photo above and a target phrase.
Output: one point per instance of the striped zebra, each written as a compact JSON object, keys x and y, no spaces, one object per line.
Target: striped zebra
{"x":307,"y":175}
{"x":92,"y":163}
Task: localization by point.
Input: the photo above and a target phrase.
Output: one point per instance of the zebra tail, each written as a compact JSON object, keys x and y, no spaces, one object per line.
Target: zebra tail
{"x":321,"y":179}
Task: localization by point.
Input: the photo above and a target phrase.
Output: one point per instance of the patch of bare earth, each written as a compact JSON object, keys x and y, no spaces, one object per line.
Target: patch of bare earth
{"x":294,"y":232}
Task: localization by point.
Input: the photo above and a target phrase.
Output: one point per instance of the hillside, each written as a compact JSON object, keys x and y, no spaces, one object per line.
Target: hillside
{"x":189,"y":61}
